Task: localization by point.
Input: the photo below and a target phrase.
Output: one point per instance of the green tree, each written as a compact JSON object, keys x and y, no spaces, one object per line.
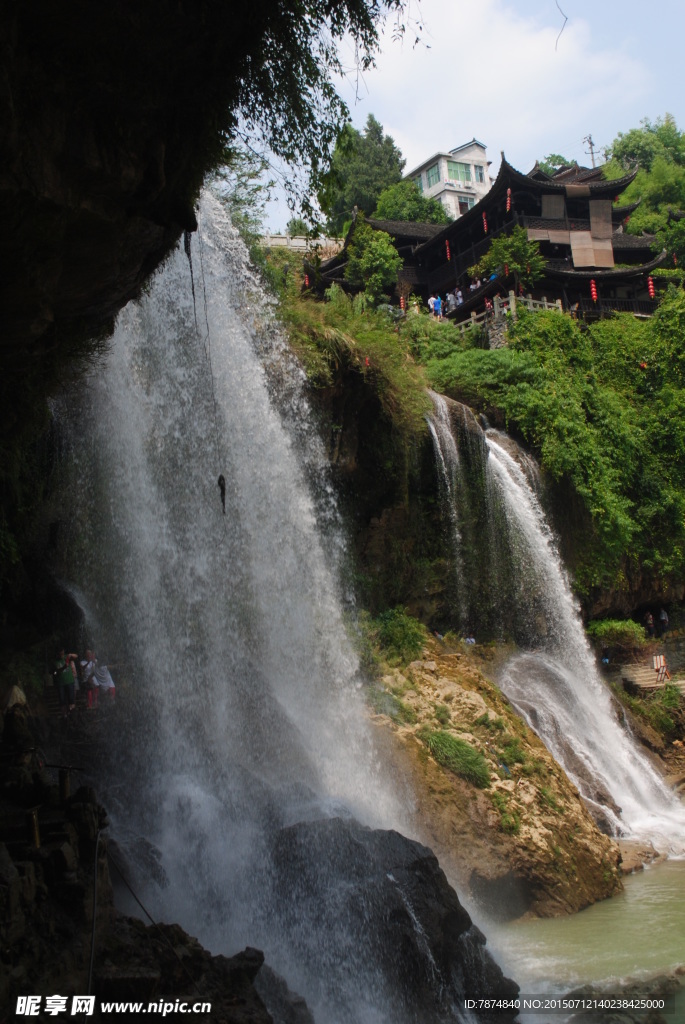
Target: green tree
{"x":372,"y":261}
{"x":405,"y":201}
{"x":553,"y":162}
{"x":658,"y":150}
{"x":514,"y":254}
{"x":242,"y":188}
{"x":362,"y":166}
{"x":296,"y":226}
{"x":642,"y":146}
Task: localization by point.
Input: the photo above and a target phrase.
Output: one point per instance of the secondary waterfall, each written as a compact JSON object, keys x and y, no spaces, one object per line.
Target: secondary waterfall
{"x":520,"y":586}
{"x":243,"y":709}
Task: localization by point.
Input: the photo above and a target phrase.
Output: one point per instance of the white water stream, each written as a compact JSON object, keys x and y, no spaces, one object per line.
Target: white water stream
{"x":554,"y":684}
{"x":239,"y":688}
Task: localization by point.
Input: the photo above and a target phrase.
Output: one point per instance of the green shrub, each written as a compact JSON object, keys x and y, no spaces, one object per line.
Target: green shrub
{"x":623,"y":633}
{"x":442,"y":713}
{"x":512,"y":752}
{"x":511,"y":823}
{"x":399,"y":635}
{"x":491,"y":723}
{"x":385,"y":703}
{"x":457,"y":755}
{"x":546,"y":797}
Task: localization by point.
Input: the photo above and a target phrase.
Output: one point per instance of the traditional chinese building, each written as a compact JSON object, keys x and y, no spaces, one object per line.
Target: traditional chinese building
{"x":576,"y":218}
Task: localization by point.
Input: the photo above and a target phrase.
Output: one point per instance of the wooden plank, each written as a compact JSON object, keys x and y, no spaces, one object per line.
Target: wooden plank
{"x":559,"y":237}
{"x":604,"y":252}
{"x":582,"y":249}
{"x":600,"y":218}
{"x":554,"y":207}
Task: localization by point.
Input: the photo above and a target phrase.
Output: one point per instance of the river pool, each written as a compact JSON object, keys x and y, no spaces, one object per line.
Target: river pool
{"x":637,"y":933}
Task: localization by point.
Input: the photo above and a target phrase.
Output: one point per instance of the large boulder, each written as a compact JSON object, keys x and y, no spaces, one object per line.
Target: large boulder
{"x":371,"y":915}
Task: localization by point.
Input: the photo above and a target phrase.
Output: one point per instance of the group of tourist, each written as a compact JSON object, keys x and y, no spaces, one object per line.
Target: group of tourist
{"x":71,"y":673}
{"x":658,"y":627}
{"x":455,"y":298}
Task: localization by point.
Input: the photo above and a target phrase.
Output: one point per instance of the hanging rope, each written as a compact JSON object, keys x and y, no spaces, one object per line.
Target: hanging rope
{"x":162,"y":935}
{"x":149,"y":916}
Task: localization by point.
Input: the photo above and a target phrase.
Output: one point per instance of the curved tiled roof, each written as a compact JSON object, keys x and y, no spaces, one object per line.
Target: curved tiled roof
{"x":509,"y":176}
{"x":622,"y":240}
{"x":405,"y":228}
{"x":557,"y":269}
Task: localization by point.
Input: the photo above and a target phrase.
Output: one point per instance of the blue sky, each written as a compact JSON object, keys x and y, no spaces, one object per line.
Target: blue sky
{"x":494,"y":69}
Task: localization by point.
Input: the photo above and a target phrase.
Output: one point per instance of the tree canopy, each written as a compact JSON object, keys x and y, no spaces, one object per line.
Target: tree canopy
{"x":512,"y":254}
{"x":296,"y":226}
{"x":288,"y":100}
{"x":362,"y":166}
{"x":405,"y":201}
{"x":604,"y":408}
{"x":553,"y":162}
{"x":373,"y":261}
{"x":658,"y":150}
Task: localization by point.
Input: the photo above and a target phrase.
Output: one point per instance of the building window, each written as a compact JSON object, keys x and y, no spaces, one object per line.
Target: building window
{"x":433,"y":175}
{"x":465,"y":203}
{"x":480,"y":174}
{"x":418,"y":181}
{"x":457,"y":171}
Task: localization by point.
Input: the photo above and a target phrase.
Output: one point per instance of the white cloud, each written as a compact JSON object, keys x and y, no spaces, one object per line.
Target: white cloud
{"x":491,"y":70}
{"x":495,"y":74}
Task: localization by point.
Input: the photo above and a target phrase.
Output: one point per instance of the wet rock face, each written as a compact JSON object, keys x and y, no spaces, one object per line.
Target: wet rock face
{"x":387,"y":925}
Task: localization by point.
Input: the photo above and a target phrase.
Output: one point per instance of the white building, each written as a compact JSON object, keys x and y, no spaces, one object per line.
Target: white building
{"x":458,"y":179}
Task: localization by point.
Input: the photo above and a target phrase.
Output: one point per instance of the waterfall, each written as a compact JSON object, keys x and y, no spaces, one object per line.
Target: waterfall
{"x":239,"y":720}
{"x":553,"y":682}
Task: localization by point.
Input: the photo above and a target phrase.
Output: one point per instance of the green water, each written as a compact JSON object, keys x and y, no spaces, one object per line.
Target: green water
{"x":637,"y":933}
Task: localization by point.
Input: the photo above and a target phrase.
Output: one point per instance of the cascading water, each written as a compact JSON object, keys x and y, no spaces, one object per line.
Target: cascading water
{"x":554,"y":684}
{"x":243,"y":714}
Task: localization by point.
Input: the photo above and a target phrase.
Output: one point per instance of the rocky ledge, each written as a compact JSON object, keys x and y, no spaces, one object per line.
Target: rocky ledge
{"x":522,"y":842}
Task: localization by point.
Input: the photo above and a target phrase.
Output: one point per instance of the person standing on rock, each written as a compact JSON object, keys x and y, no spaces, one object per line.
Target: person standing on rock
{"x":64,"y":677}
{"x":663,"y":621}
{"x":88,"y":666}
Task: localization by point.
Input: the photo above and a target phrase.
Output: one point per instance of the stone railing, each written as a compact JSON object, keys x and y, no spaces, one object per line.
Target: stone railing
{"x":493,"y":321}
{"x":303,"y":243}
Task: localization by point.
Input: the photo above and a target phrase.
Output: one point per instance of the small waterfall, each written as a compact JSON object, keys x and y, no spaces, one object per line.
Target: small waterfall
{"x":240,"y":740}
{"x":554,"y":681}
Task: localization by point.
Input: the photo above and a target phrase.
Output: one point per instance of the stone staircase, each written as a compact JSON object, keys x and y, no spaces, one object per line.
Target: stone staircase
{"x":644,"y":677}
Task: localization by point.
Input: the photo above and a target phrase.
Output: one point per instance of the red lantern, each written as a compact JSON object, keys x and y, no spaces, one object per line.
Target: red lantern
{"x":485,"y":223}
{"x":506,"y":270}
{"x":508,"y":200}
{"x":447,"y":250}
{"x":593,"y":290}
{"x":650,"y":287}
{"x":675,"y":260}
{"x":306,"y":280}
{"x":403,"y":304}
